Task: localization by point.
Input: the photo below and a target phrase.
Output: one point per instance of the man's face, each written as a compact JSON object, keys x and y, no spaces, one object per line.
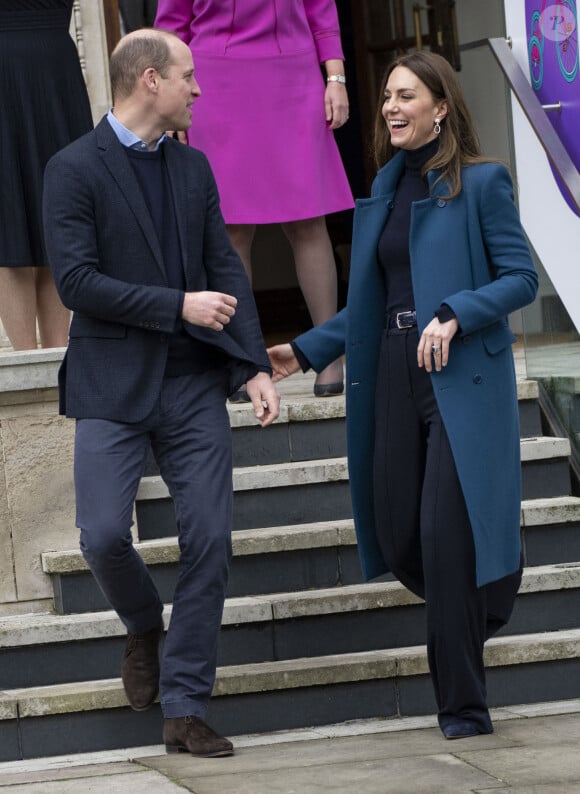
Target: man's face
{"x":178,"y":90}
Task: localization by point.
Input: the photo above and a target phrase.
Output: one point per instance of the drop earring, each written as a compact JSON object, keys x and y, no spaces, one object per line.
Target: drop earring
{"x":437,"y":127}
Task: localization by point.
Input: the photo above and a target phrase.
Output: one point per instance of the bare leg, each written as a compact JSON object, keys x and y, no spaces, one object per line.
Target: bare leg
{"x":18,"y":306}
{"x":53,"y":317}
{"x":242,"y":237}
{"x":316,"y":272}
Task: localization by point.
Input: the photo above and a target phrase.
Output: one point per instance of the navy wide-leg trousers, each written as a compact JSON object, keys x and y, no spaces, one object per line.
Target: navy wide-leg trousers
{"x":189,"y":433}
{"x":425,"y":535}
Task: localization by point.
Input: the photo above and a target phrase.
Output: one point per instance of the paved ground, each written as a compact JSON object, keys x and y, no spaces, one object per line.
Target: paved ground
{"x":534,"y":751}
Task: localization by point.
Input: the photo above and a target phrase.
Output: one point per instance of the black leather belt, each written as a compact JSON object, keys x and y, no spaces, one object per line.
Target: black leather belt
{"x":402,"y":320}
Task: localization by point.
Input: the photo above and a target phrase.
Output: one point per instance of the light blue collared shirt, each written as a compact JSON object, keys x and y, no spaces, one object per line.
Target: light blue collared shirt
{"x":128,"y":138}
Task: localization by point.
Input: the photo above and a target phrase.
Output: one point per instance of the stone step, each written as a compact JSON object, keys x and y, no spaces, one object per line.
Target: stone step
{"x":543,"y":448}
{"x":40,"y":650}
{"x":286,"y":493}
{"x":301,"y":406}
{"x":93,"y":715}
{"x":545,"y":467}
{"x":317,"y":490}
{"x":272,"y":559}
{"x":529,"y":408}
{"x":551,"y":530}
{"x":309,"y":428}
{"x":302,"y":556}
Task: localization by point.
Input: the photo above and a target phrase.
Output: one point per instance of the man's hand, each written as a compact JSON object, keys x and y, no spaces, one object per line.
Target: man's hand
{"x":265,"y":398}
{"x":283,"y":361}
{"x":209,"y":309}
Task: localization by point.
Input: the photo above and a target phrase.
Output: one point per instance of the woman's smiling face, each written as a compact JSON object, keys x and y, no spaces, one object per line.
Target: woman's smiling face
{"x":410,"y":110}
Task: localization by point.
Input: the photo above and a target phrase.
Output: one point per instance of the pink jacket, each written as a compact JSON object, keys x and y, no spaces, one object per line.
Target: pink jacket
{"x":254,"y":28}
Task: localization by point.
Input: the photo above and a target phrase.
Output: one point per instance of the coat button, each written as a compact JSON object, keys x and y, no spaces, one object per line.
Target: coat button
{"x":477,"y":379}
{"x":441,"y":203}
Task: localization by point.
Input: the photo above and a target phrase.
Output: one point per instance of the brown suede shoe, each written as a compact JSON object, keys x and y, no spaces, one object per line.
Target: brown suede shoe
{"x":140,"y":668}
{"x":193,"y":735}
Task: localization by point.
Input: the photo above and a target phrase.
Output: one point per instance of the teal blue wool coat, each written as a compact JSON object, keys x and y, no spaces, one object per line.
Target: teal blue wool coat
{"x":470,"y":253}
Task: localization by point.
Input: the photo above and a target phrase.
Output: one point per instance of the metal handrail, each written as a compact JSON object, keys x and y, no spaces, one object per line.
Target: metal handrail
{"x":536,"y":115}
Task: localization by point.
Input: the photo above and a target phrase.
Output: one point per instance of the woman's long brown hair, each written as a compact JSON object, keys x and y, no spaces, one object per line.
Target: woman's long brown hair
{"x":458,"y":141}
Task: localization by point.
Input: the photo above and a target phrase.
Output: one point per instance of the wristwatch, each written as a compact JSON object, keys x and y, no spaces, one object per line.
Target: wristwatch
{"x":336,"y":78}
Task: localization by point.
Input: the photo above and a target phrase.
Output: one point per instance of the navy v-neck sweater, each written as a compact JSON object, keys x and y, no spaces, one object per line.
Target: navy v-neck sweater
{"x":186,"y":355}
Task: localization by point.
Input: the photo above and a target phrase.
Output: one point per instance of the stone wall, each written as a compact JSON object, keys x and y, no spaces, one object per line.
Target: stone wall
{"x":36,"y":478}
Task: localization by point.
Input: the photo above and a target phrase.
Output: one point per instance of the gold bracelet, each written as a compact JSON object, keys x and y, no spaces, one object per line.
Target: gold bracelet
{"x":336,"y":78}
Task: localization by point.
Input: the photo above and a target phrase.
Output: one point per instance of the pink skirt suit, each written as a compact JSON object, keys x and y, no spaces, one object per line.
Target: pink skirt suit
{"x":261,"y":119}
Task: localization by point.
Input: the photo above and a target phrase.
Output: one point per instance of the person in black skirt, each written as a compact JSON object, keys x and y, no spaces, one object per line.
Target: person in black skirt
{"x":45,"y":105}
{"x":137,"y":14}
{"x":439,"y":259}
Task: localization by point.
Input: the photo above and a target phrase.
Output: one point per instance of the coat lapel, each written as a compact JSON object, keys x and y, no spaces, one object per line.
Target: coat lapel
{"x":370,"y":217}
{"x":388,"y":177}
{"x":121,"y":171}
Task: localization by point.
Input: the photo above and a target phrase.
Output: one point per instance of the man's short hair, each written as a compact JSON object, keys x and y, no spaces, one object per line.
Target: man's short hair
{"x":133,"y":55}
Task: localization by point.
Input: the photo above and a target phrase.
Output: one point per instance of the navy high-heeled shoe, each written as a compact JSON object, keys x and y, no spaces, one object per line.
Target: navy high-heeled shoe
{"x":463,"y":729}
{"x":328,"y":389}
{"x":240,"y":396}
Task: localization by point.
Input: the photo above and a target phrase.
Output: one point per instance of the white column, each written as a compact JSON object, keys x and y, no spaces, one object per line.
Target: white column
{"x":88,"y":31}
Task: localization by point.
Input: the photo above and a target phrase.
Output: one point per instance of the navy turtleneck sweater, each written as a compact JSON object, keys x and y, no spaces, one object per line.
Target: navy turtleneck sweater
{"x":393,"y":248}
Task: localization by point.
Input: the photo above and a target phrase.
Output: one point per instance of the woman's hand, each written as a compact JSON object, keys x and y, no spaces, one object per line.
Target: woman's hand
{"x":336,"y":105}
{"x":283,"y":361}
{"x":335,"y":96}
{"x":179,"y":135}
{"x":433,"y":347}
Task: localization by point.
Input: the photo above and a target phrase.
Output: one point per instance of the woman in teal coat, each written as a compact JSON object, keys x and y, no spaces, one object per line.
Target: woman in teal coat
{"x":439,"y":259}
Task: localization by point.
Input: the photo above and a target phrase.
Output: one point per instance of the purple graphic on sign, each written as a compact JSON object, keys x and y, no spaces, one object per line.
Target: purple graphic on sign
{"x":552,"y":35}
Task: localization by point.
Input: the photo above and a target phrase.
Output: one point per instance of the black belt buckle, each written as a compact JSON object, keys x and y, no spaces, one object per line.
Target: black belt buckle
{"x":406,"y":319}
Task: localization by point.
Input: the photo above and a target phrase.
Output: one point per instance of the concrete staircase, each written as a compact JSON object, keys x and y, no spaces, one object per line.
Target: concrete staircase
{"x":304,"y":642}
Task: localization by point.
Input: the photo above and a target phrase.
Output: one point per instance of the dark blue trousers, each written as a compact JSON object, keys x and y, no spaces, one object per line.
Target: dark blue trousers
{"x":425,"y":535}
{"x":189,"y":433}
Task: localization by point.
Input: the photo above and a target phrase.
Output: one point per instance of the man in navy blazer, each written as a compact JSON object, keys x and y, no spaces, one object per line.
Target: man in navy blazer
{"x":164,"y":329}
